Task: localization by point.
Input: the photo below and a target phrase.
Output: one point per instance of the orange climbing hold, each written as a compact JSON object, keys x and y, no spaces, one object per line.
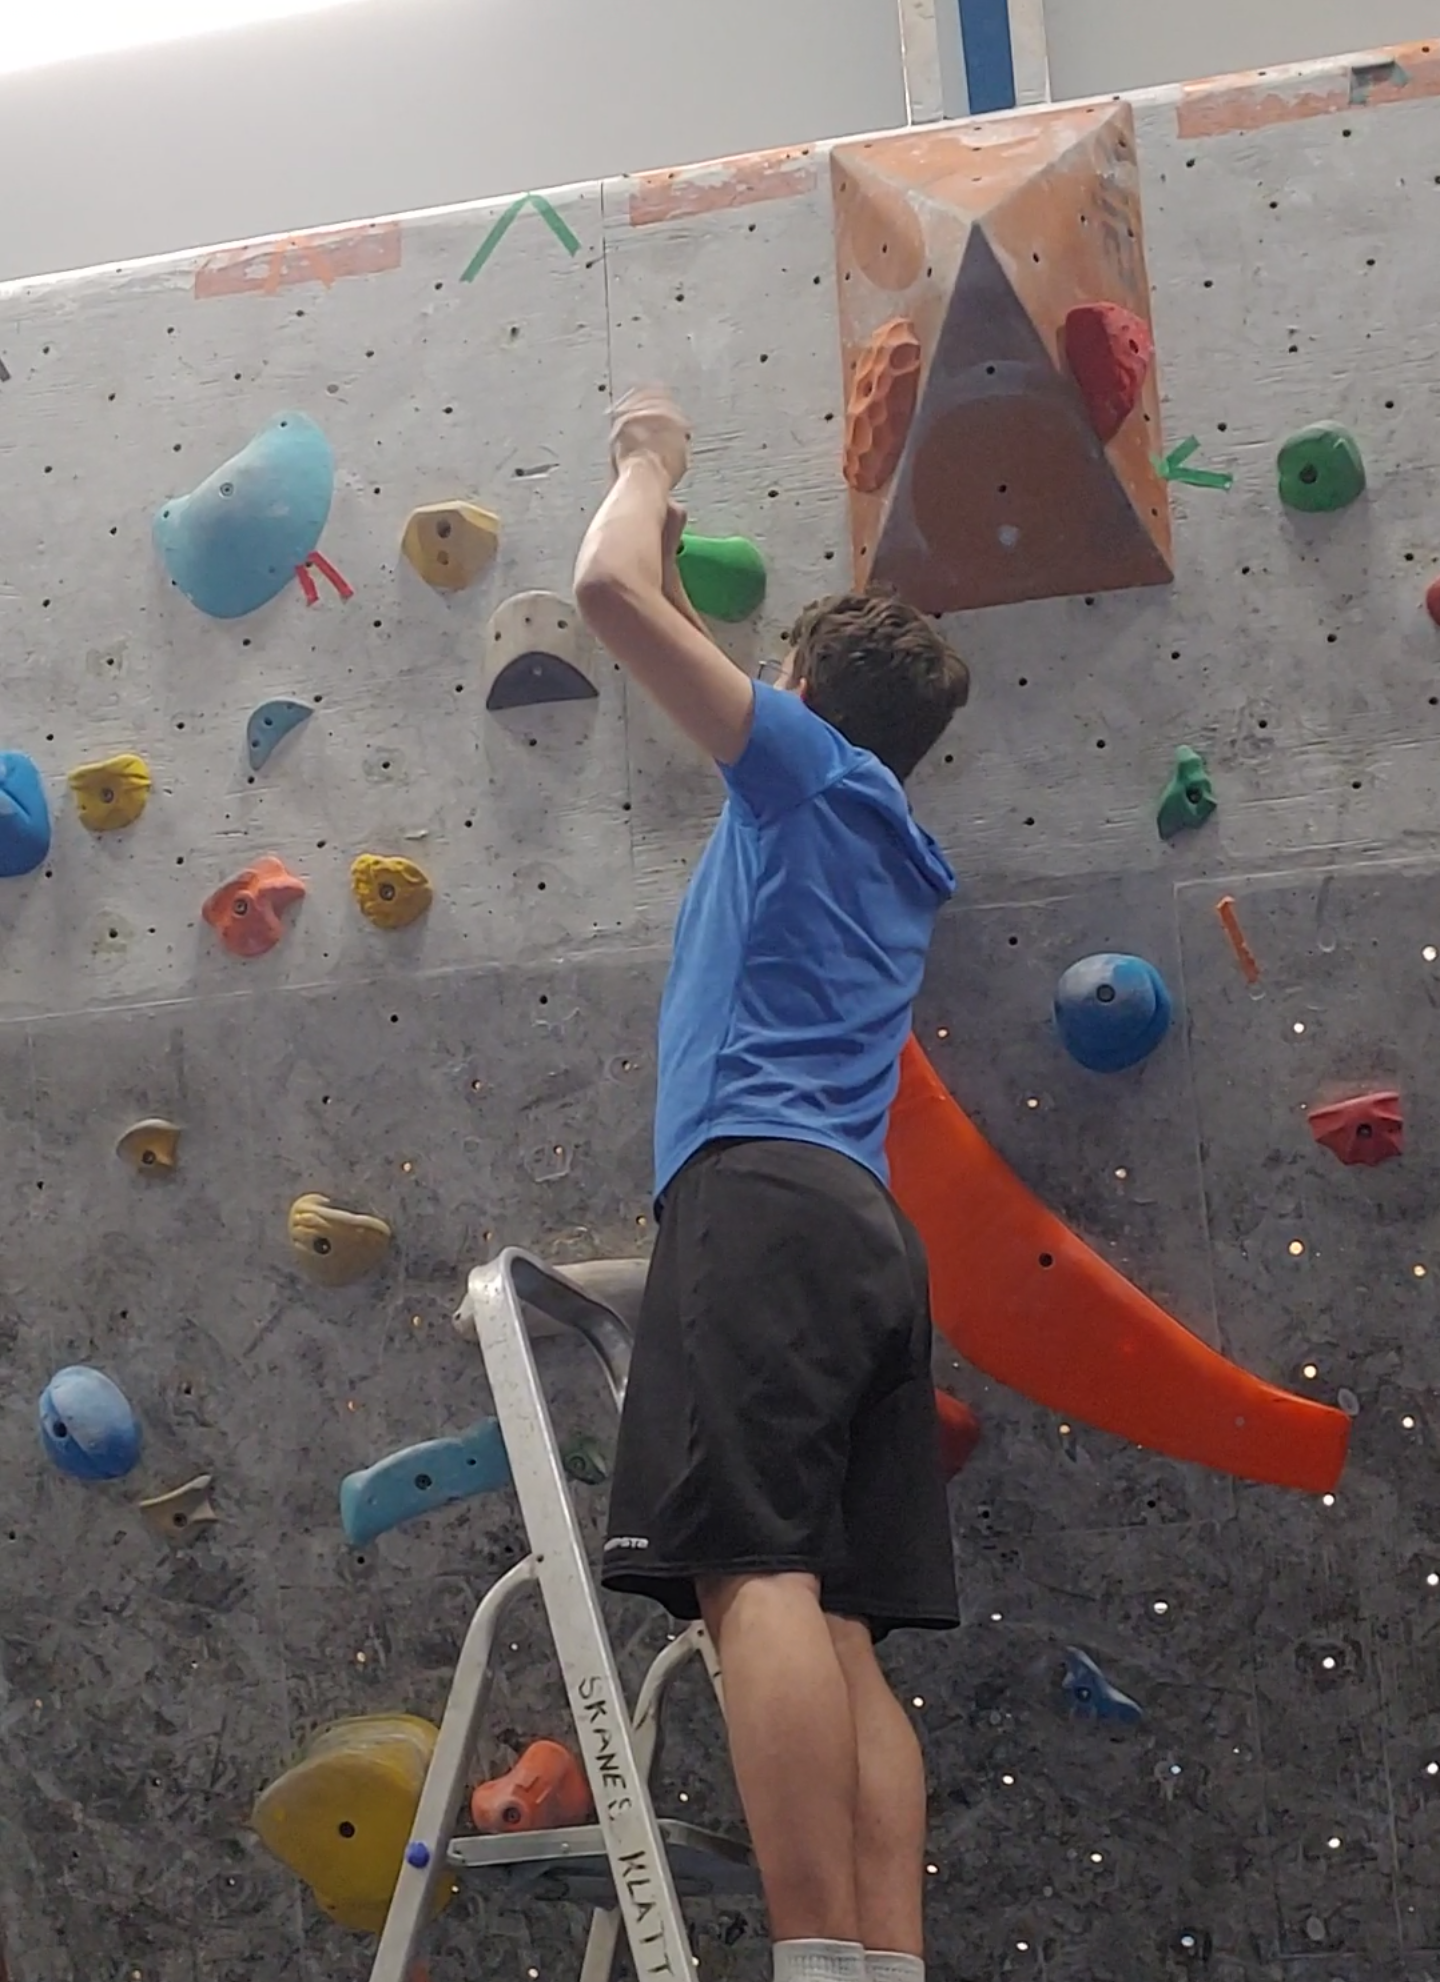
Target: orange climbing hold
{"x":245,"y":913}
{"x":882,"y":405}
{"x":1029,"y":1304}
{"x":1109,"y":351}
{"x":959,"y":1433}
{"x":545,"y":1791}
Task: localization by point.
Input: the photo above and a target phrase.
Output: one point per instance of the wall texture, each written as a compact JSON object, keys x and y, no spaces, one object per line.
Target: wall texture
{"x":486,"y":1077}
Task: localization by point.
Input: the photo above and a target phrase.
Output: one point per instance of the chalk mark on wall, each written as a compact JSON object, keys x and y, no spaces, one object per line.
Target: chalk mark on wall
{"x":568,"y":239}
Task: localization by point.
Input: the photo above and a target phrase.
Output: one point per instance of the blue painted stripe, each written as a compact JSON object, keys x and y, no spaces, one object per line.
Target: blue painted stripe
{"x":989,"y":61}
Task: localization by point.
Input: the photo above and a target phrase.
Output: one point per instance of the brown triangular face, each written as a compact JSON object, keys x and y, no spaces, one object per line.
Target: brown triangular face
{"x":983,"y":237}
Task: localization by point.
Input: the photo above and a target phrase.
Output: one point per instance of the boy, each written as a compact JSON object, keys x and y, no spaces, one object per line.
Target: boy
{"x":778,"y":1468}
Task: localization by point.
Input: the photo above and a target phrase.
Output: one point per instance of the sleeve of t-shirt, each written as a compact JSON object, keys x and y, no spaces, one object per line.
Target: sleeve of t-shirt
{"x":791,"y":755}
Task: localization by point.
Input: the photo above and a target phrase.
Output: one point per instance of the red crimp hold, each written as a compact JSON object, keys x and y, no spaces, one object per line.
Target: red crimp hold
{"x":1368,"y":1128}
{"x":1109,"y":351}
{"x":1432,"y":600}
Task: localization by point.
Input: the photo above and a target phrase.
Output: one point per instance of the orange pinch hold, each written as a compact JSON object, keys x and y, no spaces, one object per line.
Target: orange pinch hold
{"x":1364,"y":1129}
{"x":1230,"y":923}
{"x":1031,"y":1305}
{"x":245,"y":912}
{"x":1109,"y":351}
{"x":959,"y":1433}
{"x":545,"y":1791}
{"x":883,"y":393}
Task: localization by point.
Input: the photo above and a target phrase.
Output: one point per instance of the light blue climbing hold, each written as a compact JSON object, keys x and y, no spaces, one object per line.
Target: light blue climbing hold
{"x":24,"y":815}
{"x":1110,"y":1011}
{"x":420,"y":1478}
{"x":87,"y":1426}
{"x":237,"y":539}
{"x":1092,"y":1697}
{"x":271,"y":722}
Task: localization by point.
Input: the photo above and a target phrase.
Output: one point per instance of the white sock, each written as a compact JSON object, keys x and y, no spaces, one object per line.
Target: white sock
{"x":893,"y":1967}
{"x":820,"y":1961}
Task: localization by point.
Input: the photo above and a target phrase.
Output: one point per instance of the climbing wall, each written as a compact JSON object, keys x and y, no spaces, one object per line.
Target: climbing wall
{"x":263,"y":1107}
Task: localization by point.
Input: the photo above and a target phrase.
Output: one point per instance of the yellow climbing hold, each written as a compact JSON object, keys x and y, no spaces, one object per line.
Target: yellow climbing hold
{"x":111,"y":795}
{"x":174,"y":1514}
{"x":342,"y":1816}
{"x":451,"y":543}
{"x":152,"y":1146}
{"x":392,"y":892}
{"x":333,"y":1246}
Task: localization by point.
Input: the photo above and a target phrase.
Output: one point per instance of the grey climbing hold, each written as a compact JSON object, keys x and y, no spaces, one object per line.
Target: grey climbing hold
{"x":534,"y":653}
{"x":1092,"y":1697}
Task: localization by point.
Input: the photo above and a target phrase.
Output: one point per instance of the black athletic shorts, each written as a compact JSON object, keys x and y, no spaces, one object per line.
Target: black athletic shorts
{"x":780,"y":1413}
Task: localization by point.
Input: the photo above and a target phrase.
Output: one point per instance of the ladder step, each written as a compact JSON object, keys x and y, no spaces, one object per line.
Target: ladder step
{"x":572,"y":1865}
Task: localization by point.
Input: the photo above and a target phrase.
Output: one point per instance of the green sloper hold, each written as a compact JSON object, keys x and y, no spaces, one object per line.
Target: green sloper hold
{"x":724,"y":577}
{"x":1320,"y":468}
{"x":1189,"y":798}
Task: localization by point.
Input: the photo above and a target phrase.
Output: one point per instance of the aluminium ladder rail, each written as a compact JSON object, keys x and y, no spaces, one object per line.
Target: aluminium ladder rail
{"x":628,"y":1854}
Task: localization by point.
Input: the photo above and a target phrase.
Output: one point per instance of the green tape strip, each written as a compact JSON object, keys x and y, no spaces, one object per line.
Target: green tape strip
{"x":1171,"y":468}
{"x":568,"y":239}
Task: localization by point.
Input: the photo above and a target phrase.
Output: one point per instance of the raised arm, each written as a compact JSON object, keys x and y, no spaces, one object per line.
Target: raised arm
{"x":629,"y":592}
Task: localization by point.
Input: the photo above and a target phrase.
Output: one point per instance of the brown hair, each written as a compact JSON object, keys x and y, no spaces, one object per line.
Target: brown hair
{"x":879,"y":672}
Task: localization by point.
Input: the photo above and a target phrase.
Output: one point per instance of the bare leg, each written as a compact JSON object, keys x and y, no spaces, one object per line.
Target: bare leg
{"x":890,"y":1808}
{"x":792,"y":1743}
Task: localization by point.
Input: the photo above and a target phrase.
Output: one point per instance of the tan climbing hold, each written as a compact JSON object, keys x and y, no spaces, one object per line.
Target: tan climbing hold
{"x":174,"y":1514}
{"x":335,"y":1247}
{"x":152,"y":1146}
{"x":112,"y":794}
{"x":451,"y":543}
{"x":392,"y":892}
{"x":534,"y":653}
{"x":882,"y":405}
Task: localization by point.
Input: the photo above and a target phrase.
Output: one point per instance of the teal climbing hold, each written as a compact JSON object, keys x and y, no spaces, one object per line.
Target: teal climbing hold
{"x":269,"y":724}
{"x":87,"y":1426}
{"x":24,"y":815}
{"x":419,"y":1478}
{"x":240,"y":536}
{"x":1189,"y":798}
{"x":724,"y":577}
{"x":1320,"y":468}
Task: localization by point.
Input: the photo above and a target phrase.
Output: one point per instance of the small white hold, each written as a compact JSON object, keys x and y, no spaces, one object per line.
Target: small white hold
{"x":1009,"y":536}
{"x":1349,"y":1403}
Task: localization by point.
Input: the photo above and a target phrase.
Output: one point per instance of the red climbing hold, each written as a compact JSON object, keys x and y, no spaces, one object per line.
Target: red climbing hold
{"x":959,"y":1433}
{"x":1432,"y":600}
{"x":1109,"y":350}
{"x":1368,"y":1128}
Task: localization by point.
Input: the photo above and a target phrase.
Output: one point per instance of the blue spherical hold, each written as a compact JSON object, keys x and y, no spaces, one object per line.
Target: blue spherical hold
{"x":87,"y":1425}
{"x":417,"y":1855}
{"x":1111,"y":1011}
{"x":24,"y":815}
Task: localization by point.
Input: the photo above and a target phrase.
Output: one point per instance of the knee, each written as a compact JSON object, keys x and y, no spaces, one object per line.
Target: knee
{"x":727,"y":1599}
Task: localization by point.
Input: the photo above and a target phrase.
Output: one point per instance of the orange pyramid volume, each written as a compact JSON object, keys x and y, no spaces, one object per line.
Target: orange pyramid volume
{"x":1029,"y":1304}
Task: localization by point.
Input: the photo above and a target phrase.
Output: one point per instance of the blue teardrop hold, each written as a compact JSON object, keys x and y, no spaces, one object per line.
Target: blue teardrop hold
{"x":1110,"y":1011}
{"x":1092,"y":1697}
{"x":236,"y":539}
{"x":418,"y":1855}
{"x":270,"y":724}
{"x":24,"y":815}
{"x":87,"y":1426}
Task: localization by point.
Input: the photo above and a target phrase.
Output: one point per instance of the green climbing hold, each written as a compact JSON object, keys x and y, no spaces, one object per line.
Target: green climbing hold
{"x":724,"y":577}
{"x":1189,"y":798}
{"x":584,"y":1460}
{"x":1320,"y":468}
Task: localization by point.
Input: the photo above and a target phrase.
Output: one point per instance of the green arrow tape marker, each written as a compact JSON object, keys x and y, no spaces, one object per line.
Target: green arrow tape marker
{"x":1171,"y":468}
{"x":567,"y":238}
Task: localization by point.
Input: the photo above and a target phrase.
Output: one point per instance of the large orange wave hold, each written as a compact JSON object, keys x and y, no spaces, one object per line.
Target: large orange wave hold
{"x":1031,"y":1305}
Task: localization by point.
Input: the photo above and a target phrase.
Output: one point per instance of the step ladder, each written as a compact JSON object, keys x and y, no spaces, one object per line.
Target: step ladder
{"x":630,"y":1866}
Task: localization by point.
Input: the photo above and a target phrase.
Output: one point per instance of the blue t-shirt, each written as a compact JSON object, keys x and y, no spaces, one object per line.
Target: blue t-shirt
{"x":799,"y":949}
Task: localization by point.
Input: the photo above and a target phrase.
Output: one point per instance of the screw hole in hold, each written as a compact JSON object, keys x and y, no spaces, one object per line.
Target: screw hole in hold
{"x":1047,"y":1259}
{"x":1105,"y":994}
{"x":346,"y":1829}
{"x":423,"y":1482}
